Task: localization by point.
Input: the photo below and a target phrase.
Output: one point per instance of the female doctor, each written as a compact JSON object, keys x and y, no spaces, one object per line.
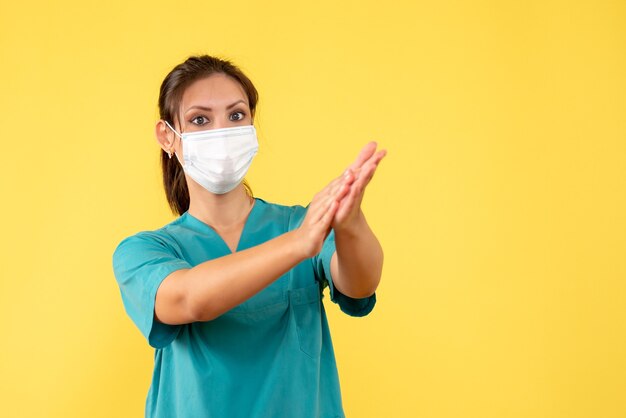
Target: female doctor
{"x":229,"y":293}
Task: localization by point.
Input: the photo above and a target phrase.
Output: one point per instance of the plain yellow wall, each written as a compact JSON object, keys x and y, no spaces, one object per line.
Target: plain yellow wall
{"x":501,"y":204}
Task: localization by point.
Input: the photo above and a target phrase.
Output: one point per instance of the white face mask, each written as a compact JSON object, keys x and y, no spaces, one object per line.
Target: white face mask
{"x":218,"y":159}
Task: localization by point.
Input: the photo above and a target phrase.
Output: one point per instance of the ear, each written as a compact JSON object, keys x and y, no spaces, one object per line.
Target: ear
{"x":164,"y":136}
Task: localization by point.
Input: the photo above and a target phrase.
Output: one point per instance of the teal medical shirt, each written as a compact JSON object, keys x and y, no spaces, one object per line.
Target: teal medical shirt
{"x":271,"y":356}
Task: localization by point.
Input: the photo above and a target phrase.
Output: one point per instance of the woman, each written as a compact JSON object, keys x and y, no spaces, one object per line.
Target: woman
{"x":229,"y":293}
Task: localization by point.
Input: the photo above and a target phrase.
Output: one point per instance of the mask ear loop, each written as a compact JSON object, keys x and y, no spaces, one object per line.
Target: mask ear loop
{"x":173,"y":130}
{"x":169,"y":153}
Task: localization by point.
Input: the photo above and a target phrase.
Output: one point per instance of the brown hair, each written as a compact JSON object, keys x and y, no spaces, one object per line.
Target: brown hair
{"x":170,"y":96}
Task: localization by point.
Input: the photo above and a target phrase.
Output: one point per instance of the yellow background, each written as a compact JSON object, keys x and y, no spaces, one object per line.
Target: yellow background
{"x":500,"y":206}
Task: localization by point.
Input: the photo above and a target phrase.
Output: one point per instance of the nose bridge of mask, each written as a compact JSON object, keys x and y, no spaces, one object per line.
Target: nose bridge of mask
{"x":223,"y":146}
{"x":234,"y":131}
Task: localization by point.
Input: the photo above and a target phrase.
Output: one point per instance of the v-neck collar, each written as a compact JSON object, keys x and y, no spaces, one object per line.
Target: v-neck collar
{"x":213,"y":233}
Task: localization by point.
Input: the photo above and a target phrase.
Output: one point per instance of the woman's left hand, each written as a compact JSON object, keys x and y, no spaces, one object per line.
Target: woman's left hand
{"x":362,"y":170}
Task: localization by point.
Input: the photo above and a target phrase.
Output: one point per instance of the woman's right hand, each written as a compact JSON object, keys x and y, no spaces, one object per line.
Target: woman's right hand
{"x":320,"y":212}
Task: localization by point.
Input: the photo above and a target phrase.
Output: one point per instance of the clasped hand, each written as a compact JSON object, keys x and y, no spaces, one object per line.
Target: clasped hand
{"x":338,"y":205}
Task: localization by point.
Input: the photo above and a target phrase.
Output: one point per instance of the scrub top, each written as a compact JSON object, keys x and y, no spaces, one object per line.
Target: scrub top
{"x":270,"y":356}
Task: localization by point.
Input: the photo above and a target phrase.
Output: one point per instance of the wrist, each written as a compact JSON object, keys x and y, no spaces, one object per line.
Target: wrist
{"x":298,"y":245}
{"x":353,"y":227}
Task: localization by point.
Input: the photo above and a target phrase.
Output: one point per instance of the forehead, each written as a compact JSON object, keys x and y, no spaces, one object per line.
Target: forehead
{"x":214,"y":91}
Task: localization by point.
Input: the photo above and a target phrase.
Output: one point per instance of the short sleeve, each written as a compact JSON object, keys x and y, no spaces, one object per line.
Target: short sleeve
{"x":350,"y":306}
{"x":140,"y":263}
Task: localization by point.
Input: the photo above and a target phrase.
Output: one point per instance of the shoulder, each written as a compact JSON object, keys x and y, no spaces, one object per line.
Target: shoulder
{"x":157,"y":239}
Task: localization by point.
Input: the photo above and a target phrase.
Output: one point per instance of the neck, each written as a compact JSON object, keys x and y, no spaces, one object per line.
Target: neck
{"x":220,"y":211}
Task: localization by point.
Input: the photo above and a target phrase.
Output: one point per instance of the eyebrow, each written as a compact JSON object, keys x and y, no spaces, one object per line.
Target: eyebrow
{"x":209,"y":109}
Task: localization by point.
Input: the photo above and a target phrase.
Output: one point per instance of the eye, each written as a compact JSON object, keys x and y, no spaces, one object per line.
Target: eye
{"x":199,"y":120}
{"x":238,"y":116}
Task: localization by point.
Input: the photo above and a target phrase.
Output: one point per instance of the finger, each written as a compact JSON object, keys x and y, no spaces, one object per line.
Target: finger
{"x":324,"y":207}
{"x":328,"y":206}
{"x":357,"y":190}
{"x":317,"y":207}
{"x":367,"y":171}
{"x":343,"y":182}
{"x":366,"y":152}
{"x":330,"y":214}
{"x":321,"y":210}
{"x":361,"y":175}
{"x":379,"y":156}
{"x":334,"y":190}
{"x":329,"y":187}
{"x":374,"y":159}
{"x":342,"y":191}
{"x":346,"y":205}
{"x":338,"y":183}
{"x":334,"y":186}
{"x":347,"y":179}
{"x":366,"y":175}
